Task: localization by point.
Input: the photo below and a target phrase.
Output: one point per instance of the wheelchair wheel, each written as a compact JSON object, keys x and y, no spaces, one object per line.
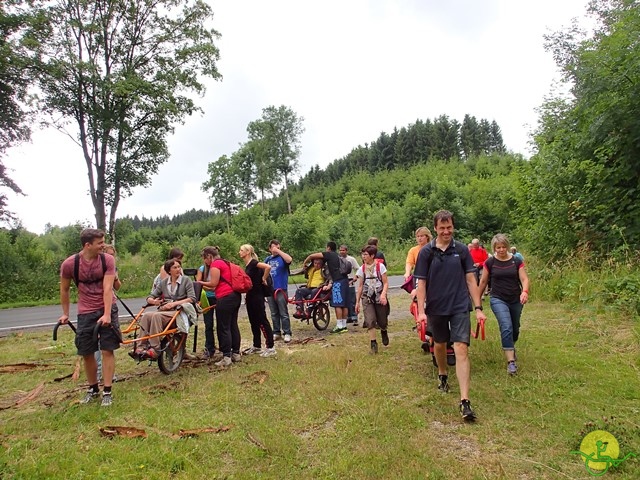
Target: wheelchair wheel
{"x":321,"y":316}
{"x":172,"y":353}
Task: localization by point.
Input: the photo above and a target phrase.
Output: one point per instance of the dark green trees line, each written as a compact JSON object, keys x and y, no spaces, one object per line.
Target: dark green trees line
{"x":441,"y":138}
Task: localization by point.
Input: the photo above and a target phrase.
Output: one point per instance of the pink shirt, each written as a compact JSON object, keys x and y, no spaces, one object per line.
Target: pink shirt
{"x":90,"y":294}
{"x":224,"y":288}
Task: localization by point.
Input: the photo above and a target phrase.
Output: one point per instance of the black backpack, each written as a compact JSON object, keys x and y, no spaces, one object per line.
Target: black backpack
{"x":76,"y":270}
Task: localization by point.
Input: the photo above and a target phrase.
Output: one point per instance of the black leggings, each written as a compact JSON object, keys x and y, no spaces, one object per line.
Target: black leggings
{"x":258,"y":320}
{"x":228,"y":332}
{"x":209,"y":339}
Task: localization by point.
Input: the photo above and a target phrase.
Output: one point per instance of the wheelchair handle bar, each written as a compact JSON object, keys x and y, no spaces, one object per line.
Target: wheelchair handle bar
{"x":57,"y":325}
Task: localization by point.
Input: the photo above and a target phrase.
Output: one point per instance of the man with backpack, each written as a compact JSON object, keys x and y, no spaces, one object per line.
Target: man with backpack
{"x":93,"y":272}
{"x":339,"y":270}
{"x":446,"y":280}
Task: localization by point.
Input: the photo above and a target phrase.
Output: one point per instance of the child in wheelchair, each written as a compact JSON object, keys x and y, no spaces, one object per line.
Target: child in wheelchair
{"x":318,"y":278}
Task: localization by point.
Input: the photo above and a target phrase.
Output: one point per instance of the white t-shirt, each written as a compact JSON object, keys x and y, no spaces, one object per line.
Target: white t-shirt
{"x":372,"y":284}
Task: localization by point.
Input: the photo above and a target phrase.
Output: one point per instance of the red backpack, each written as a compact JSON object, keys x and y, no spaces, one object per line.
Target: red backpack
{"x":240,"y":281}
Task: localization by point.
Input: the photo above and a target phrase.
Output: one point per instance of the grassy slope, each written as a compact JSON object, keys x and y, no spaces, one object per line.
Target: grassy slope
{"x":331,"y":410}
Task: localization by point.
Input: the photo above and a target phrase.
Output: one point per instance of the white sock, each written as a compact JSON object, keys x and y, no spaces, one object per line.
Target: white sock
{"x":342,"y":323}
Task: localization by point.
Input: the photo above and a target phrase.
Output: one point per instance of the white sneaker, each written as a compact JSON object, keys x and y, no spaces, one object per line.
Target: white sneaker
{"x":225,"y":362}
{"x":287,"y":338}
{"x":269,"y":352}
{"x":276,"y":337}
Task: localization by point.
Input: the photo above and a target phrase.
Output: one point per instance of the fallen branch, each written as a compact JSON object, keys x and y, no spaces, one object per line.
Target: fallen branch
{"x":257,"y":442}
{"x":127,"y":432}
{"x":194,"y":433}
{"x":22,"y":367}
{"x":27,"y":398}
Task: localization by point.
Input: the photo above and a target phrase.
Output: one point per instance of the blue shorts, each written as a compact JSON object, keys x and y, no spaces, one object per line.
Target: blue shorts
{"x":340,"y":294}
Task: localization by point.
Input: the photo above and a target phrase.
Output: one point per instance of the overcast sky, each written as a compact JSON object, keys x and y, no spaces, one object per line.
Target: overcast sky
{"x":351,"y":68}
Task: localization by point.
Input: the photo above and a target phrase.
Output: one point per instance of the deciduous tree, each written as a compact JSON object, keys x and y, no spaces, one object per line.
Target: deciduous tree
{"x":223,"y":184}
{"x":119,"y":73}
{"x":278,"y":134}
{"x":585,"y":176}
{"x":19,"y":27}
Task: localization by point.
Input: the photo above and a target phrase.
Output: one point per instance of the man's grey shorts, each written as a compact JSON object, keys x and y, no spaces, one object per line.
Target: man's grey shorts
{"x":450,"y":328}
{"x":108,"y":340}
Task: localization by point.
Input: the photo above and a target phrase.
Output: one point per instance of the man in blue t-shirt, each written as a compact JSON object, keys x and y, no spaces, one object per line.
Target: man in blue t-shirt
{"x":446,"y":279}
{"x":279,"y":262}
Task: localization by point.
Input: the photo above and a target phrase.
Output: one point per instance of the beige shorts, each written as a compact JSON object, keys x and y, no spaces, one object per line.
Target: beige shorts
{"x":375,"y":314}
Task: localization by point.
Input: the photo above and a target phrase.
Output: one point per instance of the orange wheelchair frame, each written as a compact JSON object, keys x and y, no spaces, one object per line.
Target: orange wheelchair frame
{"x":172,"y":344}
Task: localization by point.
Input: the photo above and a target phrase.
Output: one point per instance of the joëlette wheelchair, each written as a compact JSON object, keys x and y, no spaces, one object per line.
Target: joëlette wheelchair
{"x":172,"y":341}
{"x":315,"y":308}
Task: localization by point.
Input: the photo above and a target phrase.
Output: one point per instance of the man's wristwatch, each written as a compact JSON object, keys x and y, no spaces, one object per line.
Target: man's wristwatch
{"x":479,"y":307}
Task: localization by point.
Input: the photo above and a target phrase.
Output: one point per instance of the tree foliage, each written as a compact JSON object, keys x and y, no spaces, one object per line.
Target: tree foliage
{"x":442,"y":138}
{"x":120,"y":72}
{"x":581,"y":189}
{"x":19,"y":28}
{"x":276,"y":136}
{"x":224,"y":182}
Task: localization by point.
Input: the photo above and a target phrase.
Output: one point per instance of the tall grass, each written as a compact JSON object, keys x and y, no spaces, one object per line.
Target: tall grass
{"x":601,"y":284}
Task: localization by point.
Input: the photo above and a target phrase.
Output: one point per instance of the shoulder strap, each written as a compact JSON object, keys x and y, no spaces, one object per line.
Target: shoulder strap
{"x":431,"y":254}
{"x":488,"y":264}
{"x":228,"y":265}
{"x":378,"y":271}
{"x":76,"y":268}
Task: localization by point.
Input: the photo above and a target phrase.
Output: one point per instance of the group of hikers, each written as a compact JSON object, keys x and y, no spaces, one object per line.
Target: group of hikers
{"x":449,"y":279}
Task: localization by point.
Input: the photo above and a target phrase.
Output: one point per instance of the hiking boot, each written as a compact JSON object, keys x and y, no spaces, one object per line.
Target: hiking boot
{"x":385,"y":337}
{"x":89,"y":396}
{"x":466,"y":411}
{"x":236,"y":357}
{"x":339,"y":330}
{"x":269,"y":352}
{"x":225,"y":362}
{"x":444,"y":383}
{"x":374,"y":347}
{"x":208,"y":355}
{"x":287,"y":338}
{"x":512,"y":368}
{"x":107,"y":400}
{"x":251,"y":350}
